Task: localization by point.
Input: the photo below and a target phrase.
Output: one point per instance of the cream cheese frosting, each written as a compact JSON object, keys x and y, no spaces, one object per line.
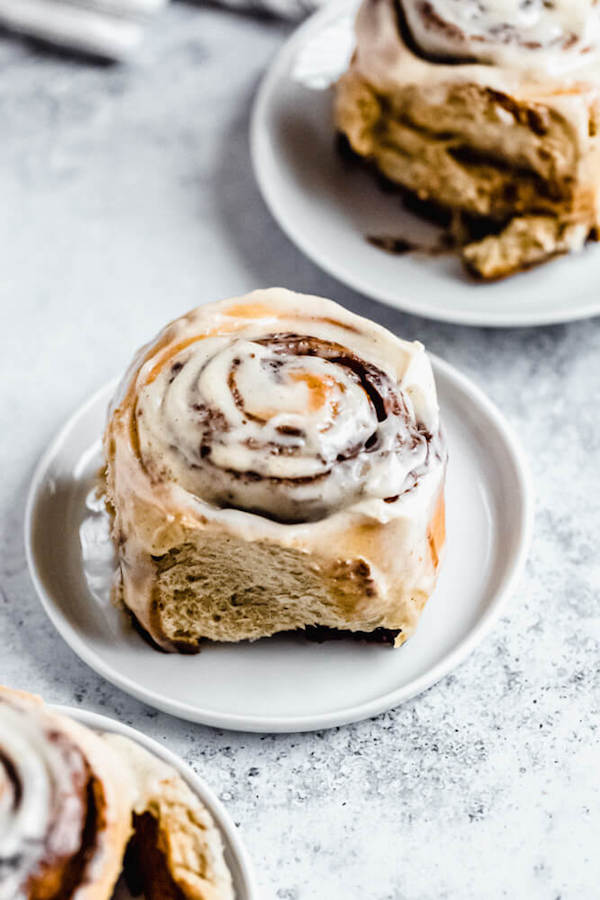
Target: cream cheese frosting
{"x":294,"y":428}
{"x":40,"y":812}
{"x":286,"y":405}
{"x":503,"y":44}
{"x":544,"y":35}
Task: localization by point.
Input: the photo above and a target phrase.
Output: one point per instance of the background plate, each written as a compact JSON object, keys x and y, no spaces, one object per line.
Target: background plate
{"x":286,"y":684}
{"x":235,"y":854}
{"x":328,"y":209}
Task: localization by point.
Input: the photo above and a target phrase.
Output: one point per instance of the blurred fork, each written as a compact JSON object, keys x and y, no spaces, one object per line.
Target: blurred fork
{"x":110,"y":28}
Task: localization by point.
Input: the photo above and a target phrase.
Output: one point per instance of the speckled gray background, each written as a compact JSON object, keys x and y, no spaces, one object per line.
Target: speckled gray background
{"x":126,"y":197}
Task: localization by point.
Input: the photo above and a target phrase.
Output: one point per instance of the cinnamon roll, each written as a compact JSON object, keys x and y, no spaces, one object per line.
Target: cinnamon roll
{"x":64,"y":807}
{"x":486,"y":114}
{"x":275,"y":463}
{"x":78,"y":808}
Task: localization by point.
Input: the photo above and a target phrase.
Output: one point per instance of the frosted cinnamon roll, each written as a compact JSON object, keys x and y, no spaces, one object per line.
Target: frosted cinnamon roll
{"x":64,"y":807}
{"x":485,"y":114}
{"x":275,"y":463}
{"x":78,"y":809}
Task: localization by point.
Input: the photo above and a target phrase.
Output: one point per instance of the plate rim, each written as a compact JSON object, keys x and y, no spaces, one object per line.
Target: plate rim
{"x":348,"y":714}
{"x":257,"y":131}
{"x":222,"y":818}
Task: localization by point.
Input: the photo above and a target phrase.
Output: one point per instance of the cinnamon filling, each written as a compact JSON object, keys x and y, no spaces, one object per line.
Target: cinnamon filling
{"x":16,"y":788}
{"x":374,"y":382}
{"x":145,"y":867}
{"x":59,"y":878}
{"x":429,"y":14}
{"x":446,"y":32}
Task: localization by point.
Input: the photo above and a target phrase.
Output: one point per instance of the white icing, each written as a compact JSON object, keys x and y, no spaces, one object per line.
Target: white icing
{"x":499,"y":60}
{"x":545,"y":34}
{"x":39,"y":822}
{"x":488,"y":30}
{"x":226,"y":406}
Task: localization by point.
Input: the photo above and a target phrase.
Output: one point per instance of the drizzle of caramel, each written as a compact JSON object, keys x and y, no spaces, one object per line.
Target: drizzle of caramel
{"x":436,"y":533}
{"x":169,"y":353}
{"x":318,"y":386}
{"x":252,"y":311}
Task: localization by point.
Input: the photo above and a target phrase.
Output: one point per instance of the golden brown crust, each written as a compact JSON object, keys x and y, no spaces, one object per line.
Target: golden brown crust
{"x":488,"y":157}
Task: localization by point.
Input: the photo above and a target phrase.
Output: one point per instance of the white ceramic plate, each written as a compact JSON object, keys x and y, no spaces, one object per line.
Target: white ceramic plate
{"x":236,"y":856}
{"x":328,"y":209}
{"x":286,"y":684}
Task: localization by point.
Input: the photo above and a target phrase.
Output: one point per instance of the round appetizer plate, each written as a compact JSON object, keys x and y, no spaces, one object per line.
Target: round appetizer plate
{"x":285,"y":683}
{"x":332,"y":210}
{"x":236,"y":855}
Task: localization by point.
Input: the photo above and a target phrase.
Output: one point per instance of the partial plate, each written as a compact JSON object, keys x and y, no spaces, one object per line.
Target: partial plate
{"x":286,"y":684}
{"x":236,"y":856}
{"x":329,"y":209}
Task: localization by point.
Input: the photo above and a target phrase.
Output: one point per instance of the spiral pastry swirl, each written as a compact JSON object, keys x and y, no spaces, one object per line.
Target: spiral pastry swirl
{"x":62,"y":828}
{"x":291,"y":426}
{"x":258,"y":439}
{"x":42,"y":806}
{"x":561,"y":32}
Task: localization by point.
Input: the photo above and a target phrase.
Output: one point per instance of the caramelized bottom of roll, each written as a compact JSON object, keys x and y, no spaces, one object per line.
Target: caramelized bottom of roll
{"x":319,"y":634}
{"x":145,"y":868}
{"x":266,"y":591}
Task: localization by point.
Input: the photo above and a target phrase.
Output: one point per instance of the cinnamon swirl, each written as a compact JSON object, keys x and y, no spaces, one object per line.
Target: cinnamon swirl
{"x":64,"y":806}
{"x":487,"y":112}
{"x":78,"y":808}
{"x":275,"y":463}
